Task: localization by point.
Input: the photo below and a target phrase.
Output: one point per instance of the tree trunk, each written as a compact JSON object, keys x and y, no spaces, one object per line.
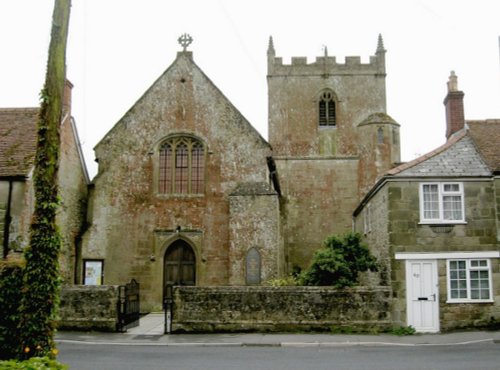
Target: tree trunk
{"x":41,"y":276}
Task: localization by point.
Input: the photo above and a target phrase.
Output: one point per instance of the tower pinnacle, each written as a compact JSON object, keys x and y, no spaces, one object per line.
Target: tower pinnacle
{"x":270,"y":48}
{"x":380,"y":45}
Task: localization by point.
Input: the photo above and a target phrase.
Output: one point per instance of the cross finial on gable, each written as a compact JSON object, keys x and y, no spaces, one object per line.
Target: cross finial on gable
{"x":185,"y":40}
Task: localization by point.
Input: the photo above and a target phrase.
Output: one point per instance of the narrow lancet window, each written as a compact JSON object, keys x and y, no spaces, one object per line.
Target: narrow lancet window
{"x":327,"y":111}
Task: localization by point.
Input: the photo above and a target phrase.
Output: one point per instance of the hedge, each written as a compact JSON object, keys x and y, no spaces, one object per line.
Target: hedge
{"x":11,"y":282}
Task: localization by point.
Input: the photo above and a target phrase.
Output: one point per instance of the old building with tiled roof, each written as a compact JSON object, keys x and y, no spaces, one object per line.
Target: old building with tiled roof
{"x":434,"y":221}
{"x":18,"y":135}
{"x":486,"y":136}
{"x":17,"y":141}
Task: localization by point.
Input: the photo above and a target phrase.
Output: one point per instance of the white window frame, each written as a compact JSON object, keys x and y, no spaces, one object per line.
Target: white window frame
{"x":469,"y":268}
{"x":441,"y":194}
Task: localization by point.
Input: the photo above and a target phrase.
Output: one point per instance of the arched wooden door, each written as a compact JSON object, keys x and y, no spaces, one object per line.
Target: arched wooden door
{"x":179,"y":265}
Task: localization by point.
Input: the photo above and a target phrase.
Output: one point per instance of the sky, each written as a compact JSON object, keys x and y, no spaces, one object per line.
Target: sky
{"x":118,"y":48}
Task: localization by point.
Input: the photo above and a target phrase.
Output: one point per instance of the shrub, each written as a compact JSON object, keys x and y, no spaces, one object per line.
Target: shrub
{"x":339,"y":262}
{"x":34,"y":363}
{"x":286,"y":281}
{"x":403,"y":330}
{"x":11,"y":281}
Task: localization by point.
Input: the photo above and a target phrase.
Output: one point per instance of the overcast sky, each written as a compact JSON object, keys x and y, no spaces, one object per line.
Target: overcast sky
{"x":118,"y":48}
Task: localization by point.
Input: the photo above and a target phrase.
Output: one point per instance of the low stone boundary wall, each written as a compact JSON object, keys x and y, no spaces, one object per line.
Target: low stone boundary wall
{"x":237,"y":309}
{"x":89,"y":307}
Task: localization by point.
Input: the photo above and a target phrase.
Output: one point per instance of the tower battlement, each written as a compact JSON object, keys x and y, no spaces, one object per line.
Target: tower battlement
{"x":326,"y":65}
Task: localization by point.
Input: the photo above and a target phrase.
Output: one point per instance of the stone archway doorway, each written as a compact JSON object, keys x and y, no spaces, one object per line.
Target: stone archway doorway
{"x":179,"y":264}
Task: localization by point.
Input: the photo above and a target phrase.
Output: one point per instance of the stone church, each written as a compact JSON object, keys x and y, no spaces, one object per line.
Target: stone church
{"x":188,"y":192}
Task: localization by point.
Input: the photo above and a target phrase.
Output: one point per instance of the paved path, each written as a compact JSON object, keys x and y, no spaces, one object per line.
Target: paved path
{"x":150,"y":332}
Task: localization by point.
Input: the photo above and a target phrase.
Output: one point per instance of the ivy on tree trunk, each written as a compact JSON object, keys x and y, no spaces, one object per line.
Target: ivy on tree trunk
{"x":41,"y":275}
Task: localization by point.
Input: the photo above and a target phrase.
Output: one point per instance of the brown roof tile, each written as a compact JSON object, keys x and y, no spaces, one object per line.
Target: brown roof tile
{"x":486,"y":137}
{"x":17,"y":140}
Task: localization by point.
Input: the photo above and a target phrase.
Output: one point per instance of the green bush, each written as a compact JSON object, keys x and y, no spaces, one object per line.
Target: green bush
{"x":286,"y":281}
{"x":11,"y":281}
{"x":403,"y":330}
{"x":339,"y":262}
{"x":34,"y":363}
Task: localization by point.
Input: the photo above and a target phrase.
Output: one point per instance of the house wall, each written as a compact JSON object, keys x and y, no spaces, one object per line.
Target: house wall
{"x":478,"y":234}
{"x":72,"y":182}
{"x":497,"y":205}
{"x":21,"y":209}
{"x":373,"y":224}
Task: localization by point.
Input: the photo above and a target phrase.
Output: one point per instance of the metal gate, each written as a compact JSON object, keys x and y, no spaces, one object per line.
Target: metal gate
{"x":129,"y":307}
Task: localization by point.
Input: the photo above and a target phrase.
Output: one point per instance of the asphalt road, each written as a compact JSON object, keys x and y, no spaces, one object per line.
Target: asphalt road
{"x":83,"y":356}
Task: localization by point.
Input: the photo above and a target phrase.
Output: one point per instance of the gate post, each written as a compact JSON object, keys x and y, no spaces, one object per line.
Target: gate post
{"x":122,"y":298}
{"x":168,"y":304}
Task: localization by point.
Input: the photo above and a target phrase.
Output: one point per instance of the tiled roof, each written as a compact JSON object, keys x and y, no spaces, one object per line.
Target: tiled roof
{"x":458,"y":157}
{"x":17,"y":140}
{"x":486,"y":136}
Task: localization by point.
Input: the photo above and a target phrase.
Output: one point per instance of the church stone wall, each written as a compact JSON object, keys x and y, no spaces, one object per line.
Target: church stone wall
{"x":216,"y":309}
{"x":131,"y":221}
{"x":319,"y":195}
{"x":254,"y":224}
{"x":88,"y":308}
{"x":294,"y":91}
{"x":324,"y":171}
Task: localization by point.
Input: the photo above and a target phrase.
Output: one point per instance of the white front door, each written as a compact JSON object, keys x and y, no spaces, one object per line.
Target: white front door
{"x":422,"y":295}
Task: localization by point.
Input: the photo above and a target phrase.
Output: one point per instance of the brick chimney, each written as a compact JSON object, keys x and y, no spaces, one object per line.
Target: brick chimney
{"x":454,"y":103}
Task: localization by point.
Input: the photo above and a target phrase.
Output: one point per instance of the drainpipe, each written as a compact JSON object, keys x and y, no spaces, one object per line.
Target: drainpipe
{"x":7,"y":221}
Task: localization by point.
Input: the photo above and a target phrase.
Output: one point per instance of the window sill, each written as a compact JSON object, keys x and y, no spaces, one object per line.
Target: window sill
{"x":442,"y":223}
{"x":179,"y":196}
{"x":470,"y":301}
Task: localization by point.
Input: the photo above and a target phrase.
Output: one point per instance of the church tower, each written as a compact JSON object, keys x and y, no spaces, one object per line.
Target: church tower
{"x":331,"y":139}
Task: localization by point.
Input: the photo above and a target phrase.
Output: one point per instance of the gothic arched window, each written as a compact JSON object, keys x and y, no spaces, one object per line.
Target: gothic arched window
{"x":181,"y":166}
{"x":327,"y":111}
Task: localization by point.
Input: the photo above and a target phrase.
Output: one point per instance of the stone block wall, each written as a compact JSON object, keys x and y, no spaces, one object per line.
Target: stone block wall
{"x":372,"y":223}
{"x":318,"y":199}
{"x":254,"y":224}
{"x":456,"y":316}
{"x":21,"y":204}
{"x":73,"y":179}
{"x":236,"y":309}
{"x":89,"y":307}
{"x":478,"y":234}
{"x":497,"y":205}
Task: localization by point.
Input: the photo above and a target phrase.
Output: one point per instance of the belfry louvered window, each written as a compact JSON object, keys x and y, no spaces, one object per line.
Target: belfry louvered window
{"x":181,"y":166}
{"x":327,"y":113}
